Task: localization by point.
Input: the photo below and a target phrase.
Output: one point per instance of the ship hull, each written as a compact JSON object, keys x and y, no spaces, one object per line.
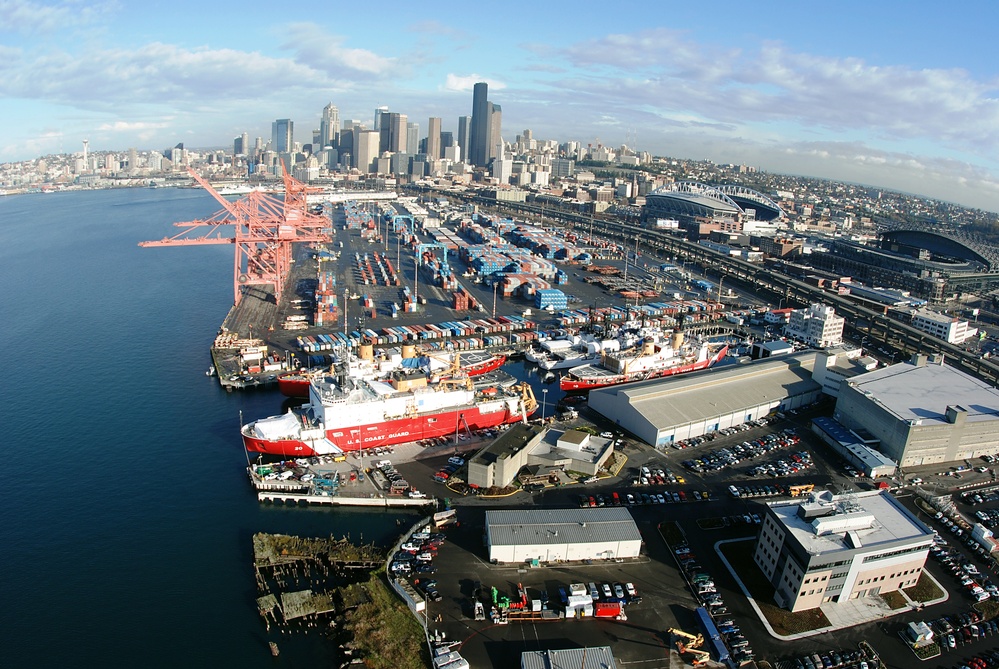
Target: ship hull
{"x":293,"y":384}
{"x":387,"y":433}
{"x":569,"y":383}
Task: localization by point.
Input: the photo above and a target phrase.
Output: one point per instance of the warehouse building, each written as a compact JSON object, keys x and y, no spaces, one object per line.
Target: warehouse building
{"x":922,"y":412}
{"x":549,"y":535}
{"x":660,"y":412}
{"x":834,"y":548}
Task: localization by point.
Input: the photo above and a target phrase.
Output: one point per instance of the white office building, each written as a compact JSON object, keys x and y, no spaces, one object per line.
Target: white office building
{"x":950,"y":329}
{"x":818,"y":326}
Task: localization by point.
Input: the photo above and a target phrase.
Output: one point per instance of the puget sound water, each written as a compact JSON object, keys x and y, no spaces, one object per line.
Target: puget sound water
{"x":127,"y":514}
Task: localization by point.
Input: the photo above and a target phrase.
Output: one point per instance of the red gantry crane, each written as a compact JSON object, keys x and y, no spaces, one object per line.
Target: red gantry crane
{"x":265,"y":227}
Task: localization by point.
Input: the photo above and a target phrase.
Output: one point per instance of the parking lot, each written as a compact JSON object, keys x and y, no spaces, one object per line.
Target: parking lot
{"x":657,"y":487}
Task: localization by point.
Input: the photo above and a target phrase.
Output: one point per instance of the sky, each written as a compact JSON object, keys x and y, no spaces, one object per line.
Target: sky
{"x":901,"y":95}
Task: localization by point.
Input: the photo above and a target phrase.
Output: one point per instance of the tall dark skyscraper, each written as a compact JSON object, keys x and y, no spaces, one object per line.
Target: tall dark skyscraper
{"x":283,"y":135}
{"x":464,"y":133}
{"x":393,"y":132}
{"x":478,"y":150}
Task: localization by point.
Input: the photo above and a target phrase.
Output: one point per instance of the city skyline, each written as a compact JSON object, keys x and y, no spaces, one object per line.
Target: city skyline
{"x":877,"y":95}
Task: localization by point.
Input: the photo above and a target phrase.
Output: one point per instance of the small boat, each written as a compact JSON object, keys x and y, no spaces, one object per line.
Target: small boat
{"x":210,"y":372}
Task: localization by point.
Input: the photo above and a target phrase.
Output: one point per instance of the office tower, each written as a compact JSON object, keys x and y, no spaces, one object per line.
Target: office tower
{"x":238,"y":148}
{"x":245,"y":137}
{"x":412,"y":138}
{"x":479,"y":137}
{"x":283,"y":135}
{"x":379,"y":111}
{"x":365,"y":149}
{"x":495,"y":132}
{"x":447,"y":139}
{"x":392,"y":132}
{"x":464,"y":132}
{"x":329,"y":126}
{"x":434,"y":138}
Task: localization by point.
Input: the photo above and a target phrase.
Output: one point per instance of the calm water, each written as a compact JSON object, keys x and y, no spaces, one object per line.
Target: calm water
{"x":127,"y":514}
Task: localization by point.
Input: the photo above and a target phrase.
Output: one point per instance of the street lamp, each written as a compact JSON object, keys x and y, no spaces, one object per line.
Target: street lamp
{"x":544,"y":399}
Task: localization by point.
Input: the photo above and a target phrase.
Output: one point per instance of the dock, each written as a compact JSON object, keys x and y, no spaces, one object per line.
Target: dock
{"x":340,"y":500}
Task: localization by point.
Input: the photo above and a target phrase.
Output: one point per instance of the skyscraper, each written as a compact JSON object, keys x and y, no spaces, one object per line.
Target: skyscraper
{"x":283,"y":135}
{"x":379,"y":111}
{"x":434,"y":138}
{"x":329,"y":126}
{"x":479,"y":136}
{"x":365,"y":149}
{"x":392,"y":132}
{"x":412,"y":138}
{"x":495,"y":132}
{"x":464,"y":132}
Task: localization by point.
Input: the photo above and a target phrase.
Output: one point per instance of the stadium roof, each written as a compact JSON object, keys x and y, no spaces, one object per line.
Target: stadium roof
{"x":698,"y":199}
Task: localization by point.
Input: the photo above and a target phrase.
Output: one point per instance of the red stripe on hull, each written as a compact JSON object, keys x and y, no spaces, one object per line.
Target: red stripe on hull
{"x":400,"y":431}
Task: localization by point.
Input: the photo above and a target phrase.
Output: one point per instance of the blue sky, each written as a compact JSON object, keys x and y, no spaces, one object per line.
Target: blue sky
{"x":903,"y":95}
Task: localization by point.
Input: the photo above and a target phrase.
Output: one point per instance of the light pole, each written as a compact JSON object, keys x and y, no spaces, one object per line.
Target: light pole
{"x":544,"y":401}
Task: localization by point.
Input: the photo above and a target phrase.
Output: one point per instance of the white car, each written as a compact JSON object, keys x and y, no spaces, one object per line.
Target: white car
{"x":630,"y":589}
{"x":606,"y":589}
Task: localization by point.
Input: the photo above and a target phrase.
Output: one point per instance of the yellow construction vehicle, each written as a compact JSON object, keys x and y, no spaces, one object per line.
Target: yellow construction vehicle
{"x":690,"y":644}
{"x":804,"y":489}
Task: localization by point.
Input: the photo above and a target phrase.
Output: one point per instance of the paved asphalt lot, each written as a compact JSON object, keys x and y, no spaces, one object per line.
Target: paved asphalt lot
{"x":666,"y":602}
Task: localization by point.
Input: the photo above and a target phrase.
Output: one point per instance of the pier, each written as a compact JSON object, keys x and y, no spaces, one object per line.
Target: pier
{"x":291,"y":498}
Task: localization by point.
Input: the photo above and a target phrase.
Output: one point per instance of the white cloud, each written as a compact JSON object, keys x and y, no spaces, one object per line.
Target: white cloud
{"x":457,"y":83}
{"x":160,"y":74}
{"x":661,"y":69}
{"x":31,"y":18}
{"x":319,"y":50}
{"x":131,"y":126}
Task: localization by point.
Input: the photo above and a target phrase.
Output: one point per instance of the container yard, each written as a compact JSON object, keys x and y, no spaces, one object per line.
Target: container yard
{"x":443,"y":277}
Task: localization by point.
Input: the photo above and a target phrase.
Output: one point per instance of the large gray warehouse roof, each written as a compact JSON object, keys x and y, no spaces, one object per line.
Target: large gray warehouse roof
{"x":561,"y":526}
{"x":599,"y":657}
{"x":923,"y":392}
{"x":723,"y":390}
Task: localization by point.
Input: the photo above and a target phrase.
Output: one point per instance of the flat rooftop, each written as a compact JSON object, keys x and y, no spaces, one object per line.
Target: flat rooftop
{"x":561,"y":526}
{"x":913,"y":392}
{"x":508,"y":443}
{"x":873,"y":518}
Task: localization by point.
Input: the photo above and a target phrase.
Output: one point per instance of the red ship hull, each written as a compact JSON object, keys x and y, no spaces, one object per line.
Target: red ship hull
{"x":296,"y":384}
{"x":389,"y":433}
{"x":293,"y":384}
{"x":569,"y":383}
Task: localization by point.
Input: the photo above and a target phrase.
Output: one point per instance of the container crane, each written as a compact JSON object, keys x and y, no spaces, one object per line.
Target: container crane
{"x":264,"y":229}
